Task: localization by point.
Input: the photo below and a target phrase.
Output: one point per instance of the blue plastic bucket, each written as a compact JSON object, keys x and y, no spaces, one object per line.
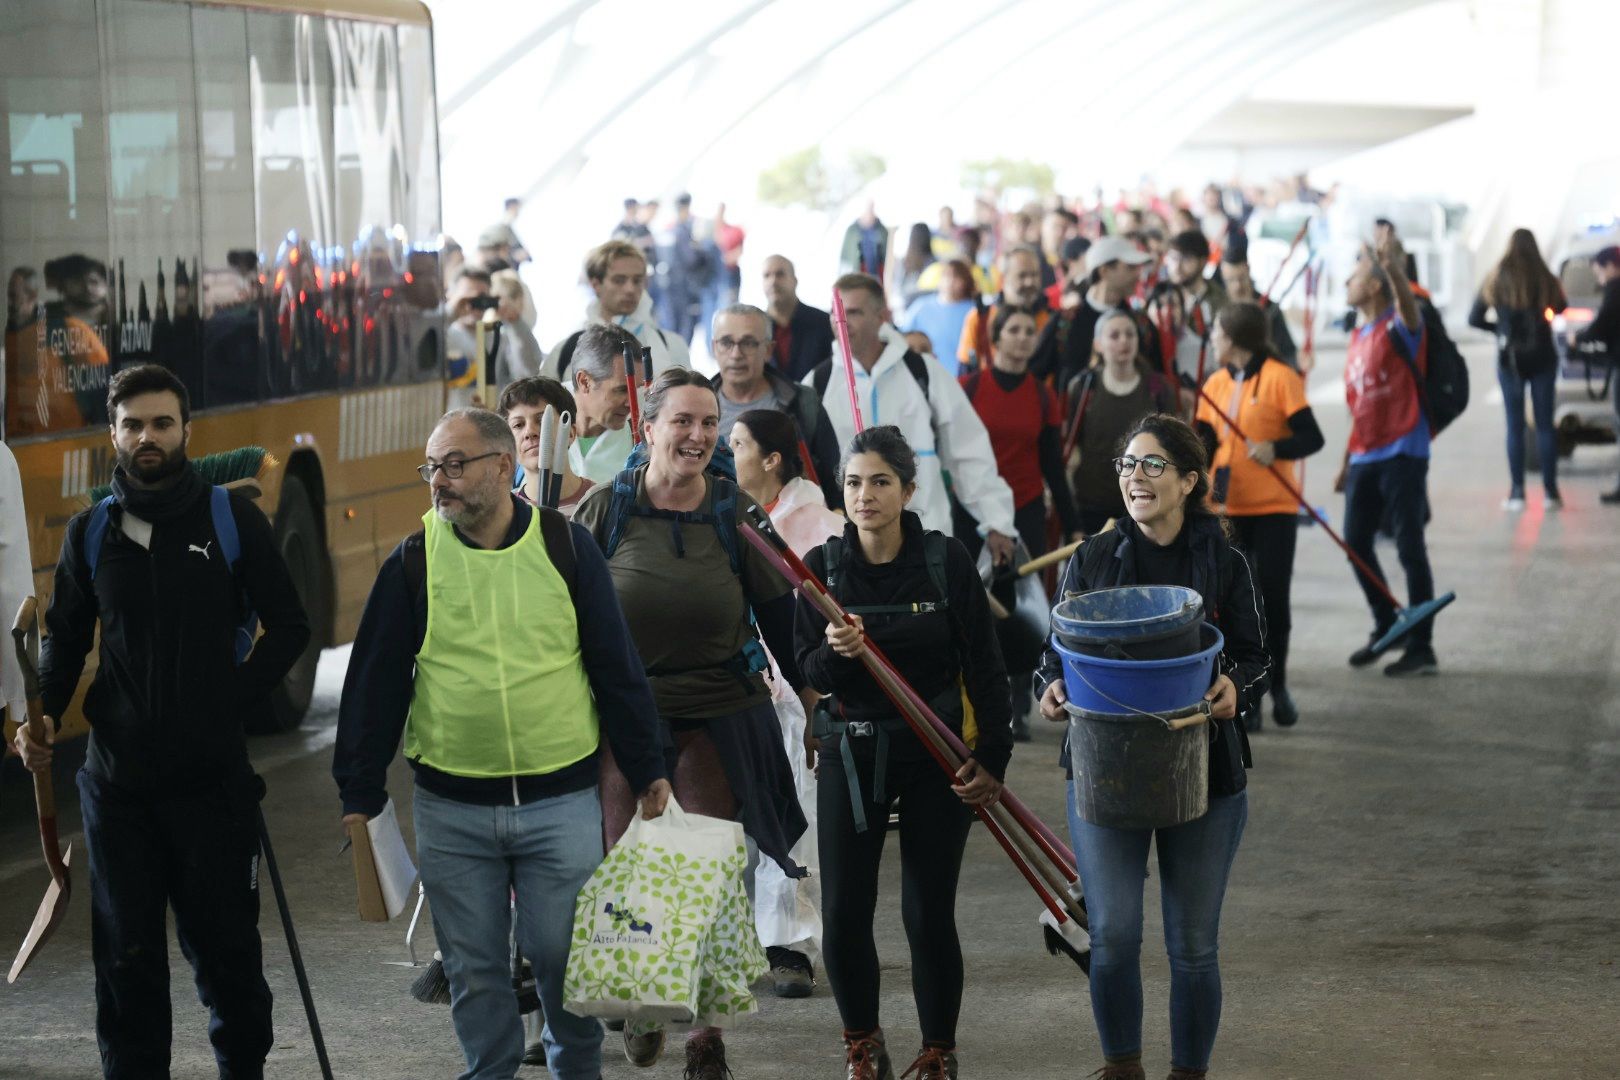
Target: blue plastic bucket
{"x":1105,"y":685}
{"x":1136,"y":622}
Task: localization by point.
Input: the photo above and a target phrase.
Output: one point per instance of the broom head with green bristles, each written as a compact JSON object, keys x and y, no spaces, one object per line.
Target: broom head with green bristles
{"x":239,"y":468}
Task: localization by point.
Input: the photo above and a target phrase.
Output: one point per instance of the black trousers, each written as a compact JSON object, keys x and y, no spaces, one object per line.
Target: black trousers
{"x":1269,"y":540}
{"x":933,"y":835}
{"x":1030,"y":520}
{"x":199,"y":853}
{"x":1393,"y":492}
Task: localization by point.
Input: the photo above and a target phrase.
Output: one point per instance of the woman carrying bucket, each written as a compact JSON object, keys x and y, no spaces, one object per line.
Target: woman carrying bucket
{"x":1145,"y":766}
{"x":917,"y":595}
{"x":1267,"y":400}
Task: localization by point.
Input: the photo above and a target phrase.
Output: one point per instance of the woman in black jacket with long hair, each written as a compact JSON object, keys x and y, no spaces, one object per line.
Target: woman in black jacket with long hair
{"x":916,"y":594}
{"x":1524,"y":295}
{"x":1169,"y":537}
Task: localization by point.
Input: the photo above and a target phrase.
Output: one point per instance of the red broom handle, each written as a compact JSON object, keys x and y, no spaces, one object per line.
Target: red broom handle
{"x":842,"y":323}
{"x":630,"y":383}
{"x":794,"y":570}
{"x":1299,"y":497}
{"x":1265,"y":297}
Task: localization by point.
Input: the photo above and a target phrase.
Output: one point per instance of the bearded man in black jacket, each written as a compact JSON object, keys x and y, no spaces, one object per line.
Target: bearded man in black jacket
{"x":168,"y":795}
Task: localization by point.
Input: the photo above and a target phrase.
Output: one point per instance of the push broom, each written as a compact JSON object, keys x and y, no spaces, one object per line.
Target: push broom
{"x":1407,"y":619}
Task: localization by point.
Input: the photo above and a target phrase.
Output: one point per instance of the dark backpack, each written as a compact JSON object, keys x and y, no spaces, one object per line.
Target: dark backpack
{"x":565,"y":358}
{"x":723,"y":518}
{"x":230,"y":546}
{"x":554,"y":530}
{"x":832,"y":559}
{"x":1443,"y":392}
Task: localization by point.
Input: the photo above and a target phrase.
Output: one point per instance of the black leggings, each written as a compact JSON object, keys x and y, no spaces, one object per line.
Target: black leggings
{"x":1269,"y":540}
{"x":933,"y":835}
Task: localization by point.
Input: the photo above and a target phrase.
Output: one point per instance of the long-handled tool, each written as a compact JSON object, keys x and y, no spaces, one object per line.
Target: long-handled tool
{"x":1036,"y":852}
{"x":25,"y":636}
{"x":632,"y":385}
{"x":1304,"y":227}
{"x":548,"y":453}
{"x":841,"y":321}
{"x":1041,"y":562}
{"x":1407,"y":619}
{"x":292,"y":947}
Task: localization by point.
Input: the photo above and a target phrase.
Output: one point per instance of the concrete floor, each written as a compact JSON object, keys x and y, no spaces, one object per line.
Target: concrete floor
{"x":1428,"y":887}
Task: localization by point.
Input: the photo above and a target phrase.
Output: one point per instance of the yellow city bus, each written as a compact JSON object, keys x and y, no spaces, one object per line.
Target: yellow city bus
{"x":248,"y":195}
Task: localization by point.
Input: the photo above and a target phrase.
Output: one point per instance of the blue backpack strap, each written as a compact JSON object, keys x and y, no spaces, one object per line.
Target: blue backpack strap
{"x":620,"y":508}
{"x":95,"y":532}
{"x":725,"y":520}
{"x":230,"y":541}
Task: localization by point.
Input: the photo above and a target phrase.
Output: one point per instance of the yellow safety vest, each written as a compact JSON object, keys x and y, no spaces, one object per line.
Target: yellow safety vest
{"x":500,"y":688}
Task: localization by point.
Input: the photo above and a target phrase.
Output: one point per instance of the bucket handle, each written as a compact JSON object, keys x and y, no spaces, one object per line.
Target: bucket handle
{"x":1176,"y":722}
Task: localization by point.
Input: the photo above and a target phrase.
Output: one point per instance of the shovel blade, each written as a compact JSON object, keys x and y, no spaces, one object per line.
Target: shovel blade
{"x":46,"y":919}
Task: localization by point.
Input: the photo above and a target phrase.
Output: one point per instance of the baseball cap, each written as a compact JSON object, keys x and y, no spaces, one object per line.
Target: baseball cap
{"x":1114,"y":249}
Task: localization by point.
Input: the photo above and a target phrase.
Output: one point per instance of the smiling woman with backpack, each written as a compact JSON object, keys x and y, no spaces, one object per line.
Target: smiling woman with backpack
{"x":917,"y":594}
{"x":693,"y":592}
{"x":1523,"y":295}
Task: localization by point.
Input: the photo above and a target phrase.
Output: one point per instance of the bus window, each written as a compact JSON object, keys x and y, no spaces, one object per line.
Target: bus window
{"x":152,"y":156}
{"x":426,"y":286}
{"x":291,"y":92}
{"x":230,"y":283}
{"x":369,"y":142}
{"x":53,"y":218}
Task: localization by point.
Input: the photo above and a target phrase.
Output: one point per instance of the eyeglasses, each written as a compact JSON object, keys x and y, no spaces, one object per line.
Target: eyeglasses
{"x":731,"y":344}
{"x":1152,"y":465}
{"x":453,"y":468}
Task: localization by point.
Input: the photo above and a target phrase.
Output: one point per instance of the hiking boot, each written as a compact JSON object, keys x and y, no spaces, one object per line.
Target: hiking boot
{"x":1121,"y":1070}
{"x":1414,"y":661}
{"x":866,"y":1057}
{"x":1284,"y":713}
{"x":643,"y":1044}
{"x":1365,"y":655}
{"x":1178,"y":1073}
{"x":933,"y":1064}
{"x":706,"y":1058}
{"x":791,"y":972}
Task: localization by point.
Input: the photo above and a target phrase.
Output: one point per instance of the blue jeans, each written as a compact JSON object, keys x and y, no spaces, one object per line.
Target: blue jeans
{"x":1542,"y":393}
{"x":472,"y":858}
{"x":1194,"y":862}
{"x":1396,"y":490}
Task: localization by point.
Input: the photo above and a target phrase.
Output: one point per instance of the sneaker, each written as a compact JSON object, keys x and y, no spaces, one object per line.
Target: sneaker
{"x":866,"y":1057}
{"x":933,"y":1064}
{"x":1365,"y":655}
{"x":1514,"y":502}
{"x":643,"y":1044}
{"x":706,"y":1058}
{"x":1419,"y":661}
{"x":791,"y":972}
{"x":1283,"y":710}
{"x":1553,"y":501}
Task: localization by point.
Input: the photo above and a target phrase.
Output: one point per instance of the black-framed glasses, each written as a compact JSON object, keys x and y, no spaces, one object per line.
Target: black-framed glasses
{"x":1152,"y":465}
{"x":453,"y":467}
{"x":731,"y":344}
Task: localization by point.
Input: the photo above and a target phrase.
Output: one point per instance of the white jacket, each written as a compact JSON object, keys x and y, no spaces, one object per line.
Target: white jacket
{"x":890,"y":395}
{"x":668,"y":347}
{"x":607,"y":457}
{"x":16,"y":578}
{"x":802,"y":518}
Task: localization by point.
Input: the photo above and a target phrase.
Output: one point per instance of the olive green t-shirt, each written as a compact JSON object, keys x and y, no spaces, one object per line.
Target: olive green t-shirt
{"x":687,"y":613}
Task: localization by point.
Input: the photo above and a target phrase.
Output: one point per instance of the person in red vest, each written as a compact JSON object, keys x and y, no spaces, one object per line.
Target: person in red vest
{"x":1386,"y":462}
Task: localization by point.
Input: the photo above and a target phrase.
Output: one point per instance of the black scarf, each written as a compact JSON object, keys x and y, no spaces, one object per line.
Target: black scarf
{"x":166,"y":502}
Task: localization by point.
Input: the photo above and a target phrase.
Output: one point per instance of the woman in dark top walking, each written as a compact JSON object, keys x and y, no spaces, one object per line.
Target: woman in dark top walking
{"x":917,"y":595}
{"x":1169,"y":537}
{"x":1122,"y":390}
{"x":1523,"y":295}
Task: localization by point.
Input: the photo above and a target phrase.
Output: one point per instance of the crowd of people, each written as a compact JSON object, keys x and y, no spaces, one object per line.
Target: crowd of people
{"x":1106,"y":377}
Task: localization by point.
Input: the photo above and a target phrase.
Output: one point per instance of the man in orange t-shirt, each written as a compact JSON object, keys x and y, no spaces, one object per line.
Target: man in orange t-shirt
{"x":1266,"y":399}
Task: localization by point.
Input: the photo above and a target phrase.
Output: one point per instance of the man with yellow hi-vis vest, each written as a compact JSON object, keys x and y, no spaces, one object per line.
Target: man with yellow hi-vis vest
{"x":476,"y":645}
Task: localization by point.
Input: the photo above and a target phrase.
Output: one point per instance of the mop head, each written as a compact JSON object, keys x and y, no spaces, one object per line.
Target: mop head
{"x":1067,"y":939}
{"x":432,"y":987}
{"x":227,"y":466}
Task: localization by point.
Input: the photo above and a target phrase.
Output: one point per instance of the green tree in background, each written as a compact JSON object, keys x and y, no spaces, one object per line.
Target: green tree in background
{"x":805,"y":178}
{"x":1001,"y":174}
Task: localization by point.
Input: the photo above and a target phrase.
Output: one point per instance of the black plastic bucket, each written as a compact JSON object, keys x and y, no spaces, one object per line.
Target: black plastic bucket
{"x":1133,"y":772}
